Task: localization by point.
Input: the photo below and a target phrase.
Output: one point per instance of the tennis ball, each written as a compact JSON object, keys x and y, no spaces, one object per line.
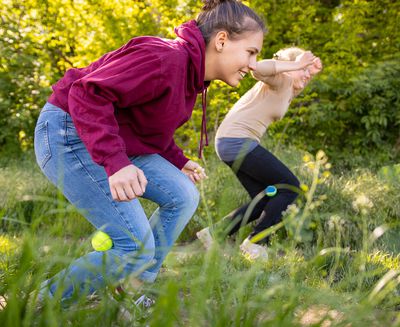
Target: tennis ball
{"x":101,"y":241}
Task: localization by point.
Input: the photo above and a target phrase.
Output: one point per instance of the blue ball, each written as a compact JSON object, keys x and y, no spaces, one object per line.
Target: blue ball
{"x":271,"y":191}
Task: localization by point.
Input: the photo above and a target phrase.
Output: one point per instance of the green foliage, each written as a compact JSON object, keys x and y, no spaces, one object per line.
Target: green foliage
{"x":40,"y":40}
{"x":356,"y":116}
{"x":390,"y":174}
{"x":351,"y":105}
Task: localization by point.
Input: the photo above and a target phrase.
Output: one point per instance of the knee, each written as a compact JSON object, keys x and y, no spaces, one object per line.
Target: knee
{"x":188,"y":195}
{"x":292,"y":181}
{"x":293,"y":189}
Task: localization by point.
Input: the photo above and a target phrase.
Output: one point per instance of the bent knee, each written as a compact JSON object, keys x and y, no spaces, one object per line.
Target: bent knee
{"x":292,"y":190}
{"x":188,"y":195}
{"x":292,"y":180}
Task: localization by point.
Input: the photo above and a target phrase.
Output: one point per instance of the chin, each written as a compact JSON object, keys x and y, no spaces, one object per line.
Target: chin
{"x":232,"y":83}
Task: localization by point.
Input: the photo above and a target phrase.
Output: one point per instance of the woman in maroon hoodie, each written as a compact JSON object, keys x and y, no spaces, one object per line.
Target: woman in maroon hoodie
{"x":105,"y":138}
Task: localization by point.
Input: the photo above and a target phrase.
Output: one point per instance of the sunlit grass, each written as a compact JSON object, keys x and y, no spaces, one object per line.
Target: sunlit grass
{"x":7,"y":245}
{"x":389,"y":261}
{"x":333,"y":262}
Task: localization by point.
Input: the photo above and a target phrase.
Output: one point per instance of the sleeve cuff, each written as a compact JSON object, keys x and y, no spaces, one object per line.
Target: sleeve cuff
{"x":116,"y":162}
{"x":181,"y":162}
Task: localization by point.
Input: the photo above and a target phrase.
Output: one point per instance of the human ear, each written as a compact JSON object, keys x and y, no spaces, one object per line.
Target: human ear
{"x":220,"y":39}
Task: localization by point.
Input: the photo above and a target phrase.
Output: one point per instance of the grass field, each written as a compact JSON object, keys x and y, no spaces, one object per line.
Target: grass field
{"x":335,"y":261}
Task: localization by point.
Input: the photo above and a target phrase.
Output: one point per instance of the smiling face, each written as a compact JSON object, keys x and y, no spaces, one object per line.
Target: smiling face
{"x":234,"y":58}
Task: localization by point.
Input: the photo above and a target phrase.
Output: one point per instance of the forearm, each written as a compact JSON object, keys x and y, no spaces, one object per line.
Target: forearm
{"x":270,"y":67}
{"x":283,"y":66}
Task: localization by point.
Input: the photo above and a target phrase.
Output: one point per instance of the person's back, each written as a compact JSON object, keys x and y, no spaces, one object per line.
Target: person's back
{"x":256,"y":110}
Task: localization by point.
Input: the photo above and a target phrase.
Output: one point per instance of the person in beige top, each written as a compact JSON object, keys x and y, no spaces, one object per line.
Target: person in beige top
{"x":237,"y":143}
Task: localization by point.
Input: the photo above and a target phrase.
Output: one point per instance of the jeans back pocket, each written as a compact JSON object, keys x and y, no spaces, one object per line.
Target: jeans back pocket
{"x":41,"y":143}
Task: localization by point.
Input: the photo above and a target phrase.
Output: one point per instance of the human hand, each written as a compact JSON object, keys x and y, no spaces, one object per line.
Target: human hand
{"x":316,"y":66}
{"x":194,"y":171}
{"x":305,"y":59}
{"x":127,"y":183}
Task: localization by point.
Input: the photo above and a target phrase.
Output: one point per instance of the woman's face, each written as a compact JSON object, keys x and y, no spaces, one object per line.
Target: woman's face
{"x":300,"y":78}
{"x":238,"y":57}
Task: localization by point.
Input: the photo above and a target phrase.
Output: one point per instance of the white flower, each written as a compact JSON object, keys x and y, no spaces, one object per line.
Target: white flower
{"x":362,"y":204}
{"x":292,"y":209}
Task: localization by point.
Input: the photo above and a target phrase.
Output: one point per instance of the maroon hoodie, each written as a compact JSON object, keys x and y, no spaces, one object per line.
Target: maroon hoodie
{"x":130,"y":101}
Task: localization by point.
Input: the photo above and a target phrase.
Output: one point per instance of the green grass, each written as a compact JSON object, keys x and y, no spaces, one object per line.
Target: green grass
{"x":335,"y":261}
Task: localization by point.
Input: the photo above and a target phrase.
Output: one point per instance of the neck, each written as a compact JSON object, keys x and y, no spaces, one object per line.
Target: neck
{"x":210,"y":64}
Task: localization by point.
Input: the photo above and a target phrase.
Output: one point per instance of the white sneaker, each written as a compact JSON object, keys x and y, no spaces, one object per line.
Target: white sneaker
{"x":253,"y":251}
{"x":205,"y":237}
{"x":144,"y":302}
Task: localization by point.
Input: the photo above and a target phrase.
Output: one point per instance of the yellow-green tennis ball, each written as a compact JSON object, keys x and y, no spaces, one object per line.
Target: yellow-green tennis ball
{"x":101,"y":241}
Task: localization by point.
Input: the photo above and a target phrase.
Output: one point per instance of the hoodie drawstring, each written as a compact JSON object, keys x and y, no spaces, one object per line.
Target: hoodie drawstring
{"x":203,"y":122}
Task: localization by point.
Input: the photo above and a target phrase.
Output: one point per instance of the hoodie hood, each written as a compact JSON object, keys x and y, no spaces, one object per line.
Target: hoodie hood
{"x":189,"y":35}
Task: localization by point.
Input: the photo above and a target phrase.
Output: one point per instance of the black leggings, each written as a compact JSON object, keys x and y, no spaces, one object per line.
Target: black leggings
{"x":259,"y":169}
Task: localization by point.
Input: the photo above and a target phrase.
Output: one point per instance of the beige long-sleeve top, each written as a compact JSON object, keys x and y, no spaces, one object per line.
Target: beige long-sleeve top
{"x":268,"y":100}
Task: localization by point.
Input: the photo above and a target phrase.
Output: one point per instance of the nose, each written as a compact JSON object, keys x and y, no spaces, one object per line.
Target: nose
{"x":253,"y":63}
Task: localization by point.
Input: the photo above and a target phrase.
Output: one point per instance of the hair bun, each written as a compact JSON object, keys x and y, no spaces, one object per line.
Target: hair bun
{"x":232,"y":16}
{"x":211,"y":4}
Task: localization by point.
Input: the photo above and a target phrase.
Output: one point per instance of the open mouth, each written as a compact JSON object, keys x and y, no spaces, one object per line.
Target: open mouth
{"x":242,"y":74}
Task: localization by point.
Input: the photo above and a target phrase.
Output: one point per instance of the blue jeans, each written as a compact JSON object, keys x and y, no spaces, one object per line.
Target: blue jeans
{"x":139,"y":244}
